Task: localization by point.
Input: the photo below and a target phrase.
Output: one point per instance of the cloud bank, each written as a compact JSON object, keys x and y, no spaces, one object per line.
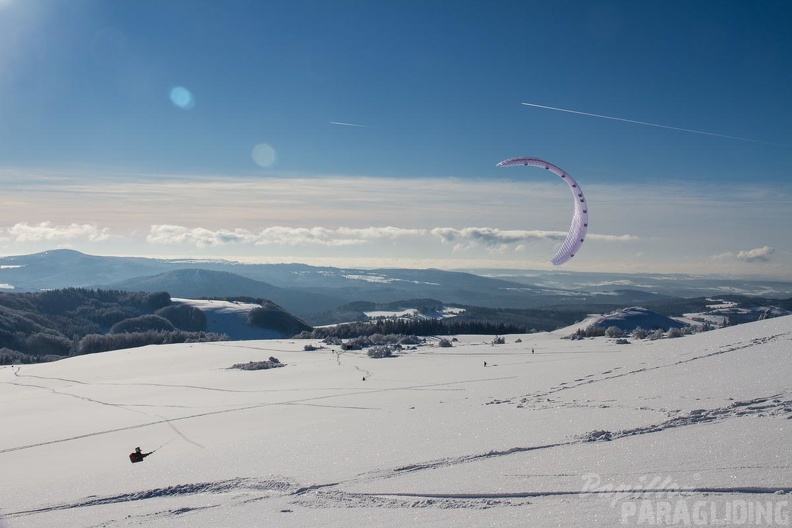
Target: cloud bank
{"x":468,"y":237}
{"x":46,"y":231}
{"x":276,"y":235}
{"x":760,"y":254}
{"x":488,"y":236}
{"x":672,"y":228}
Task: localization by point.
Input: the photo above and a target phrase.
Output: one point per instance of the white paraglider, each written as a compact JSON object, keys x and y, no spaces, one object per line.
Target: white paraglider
{"x":577,"y":232}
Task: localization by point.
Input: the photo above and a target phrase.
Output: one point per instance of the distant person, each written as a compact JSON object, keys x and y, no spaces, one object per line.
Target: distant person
{"x":138,"y":456}
{"x":485,"y":363}
{"x":532,"y":351}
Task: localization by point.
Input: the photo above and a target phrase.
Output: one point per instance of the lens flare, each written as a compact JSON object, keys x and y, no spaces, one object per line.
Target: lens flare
{"x":264,"y":155}
{"x":182,"y":98}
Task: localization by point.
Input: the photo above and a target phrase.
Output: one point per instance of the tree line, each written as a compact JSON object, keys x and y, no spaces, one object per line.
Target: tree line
{"x":418,"y":327}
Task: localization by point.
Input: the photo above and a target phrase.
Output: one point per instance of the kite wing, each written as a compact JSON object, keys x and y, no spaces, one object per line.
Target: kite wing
{"x":579,"y":227}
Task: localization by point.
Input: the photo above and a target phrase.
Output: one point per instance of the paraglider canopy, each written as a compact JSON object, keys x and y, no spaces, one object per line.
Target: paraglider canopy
{"x":579,"y":227}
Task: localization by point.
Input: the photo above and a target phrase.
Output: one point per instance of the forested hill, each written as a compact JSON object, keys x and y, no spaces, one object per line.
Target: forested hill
{"x":48,"y":325}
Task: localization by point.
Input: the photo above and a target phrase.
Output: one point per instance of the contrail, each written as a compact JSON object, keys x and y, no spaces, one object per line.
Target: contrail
{"x":655,"y":125}
{"x":347,"y":124}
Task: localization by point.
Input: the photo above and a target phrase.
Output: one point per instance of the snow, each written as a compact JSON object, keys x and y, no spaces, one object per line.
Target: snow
{"x":229,"y":318}
{"x":432,"y":437}
{"x":413,"y":313}
{"x":381,"y":279}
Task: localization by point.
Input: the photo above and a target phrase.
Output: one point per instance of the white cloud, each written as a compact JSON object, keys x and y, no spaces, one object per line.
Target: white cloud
{"x":46,"y":231}
{"x":612,"y":238}
{"x":198,"y":236}
{"x":761,"y":254}
{"x":284,"y":236}
{"x":276,"y":235}
{"x":488,"y":236}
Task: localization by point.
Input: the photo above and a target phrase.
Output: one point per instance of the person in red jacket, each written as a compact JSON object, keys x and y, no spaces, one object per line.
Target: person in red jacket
{"x":138,"y":456}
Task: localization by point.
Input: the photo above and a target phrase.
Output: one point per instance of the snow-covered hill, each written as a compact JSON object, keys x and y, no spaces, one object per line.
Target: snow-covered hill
{"x":540,"y":436}
{"x":628,"y":319}
{"x":231,"y":318}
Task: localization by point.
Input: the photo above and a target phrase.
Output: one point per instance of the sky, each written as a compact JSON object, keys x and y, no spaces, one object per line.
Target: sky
{"x":366,"y":134}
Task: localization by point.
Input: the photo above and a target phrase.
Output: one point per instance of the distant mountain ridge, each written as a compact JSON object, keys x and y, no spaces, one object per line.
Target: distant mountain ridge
{"x":196,"y":283}
{"x":307,"y":291}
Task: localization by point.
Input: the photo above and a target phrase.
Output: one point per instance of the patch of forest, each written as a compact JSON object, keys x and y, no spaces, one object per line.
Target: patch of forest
{"x":476,"y":319}
{"x":53,"y":324}
{"x":417,"y":327}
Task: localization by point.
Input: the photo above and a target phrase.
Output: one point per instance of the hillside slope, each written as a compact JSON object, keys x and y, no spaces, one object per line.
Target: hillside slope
{"x":430,"y":437}
{"x":198,"y":283}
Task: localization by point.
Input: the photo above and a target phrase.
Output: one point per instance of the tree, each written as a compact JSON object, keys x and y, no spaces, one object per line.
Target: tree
{"x":674,"y":332}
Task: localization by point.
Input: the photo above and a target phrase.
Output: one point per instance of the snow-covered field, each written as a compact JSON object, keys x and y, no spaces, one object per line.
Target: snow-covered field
{"x":697,"y":430}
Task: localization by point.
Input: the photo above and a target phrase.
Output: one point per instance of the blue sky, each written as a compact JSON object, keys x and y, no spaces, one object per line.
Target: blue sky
{"x":224,"y":129}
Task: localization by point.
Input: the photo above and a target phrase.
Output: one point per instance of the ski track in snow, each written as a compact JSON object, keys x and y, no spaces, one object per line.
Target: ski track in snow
{"x":264,"y":486}
{"x":331,"y":495}
{"x":245,"y":490}
{"x":242,"y":408}
{"x":542,"y":395}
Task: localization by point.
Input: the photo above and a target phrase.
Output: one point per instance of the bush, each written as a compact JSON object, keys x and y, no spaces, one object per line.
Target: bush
{"x":657,"y":334}
{"x":674,"y":332}
{"x":93,"y":343}
{"x":380,"y":351}
{"x":594,"y":331}
{"x":639,"y":333}
{"x":614,"y":331}
{"x":590,"y":331}
{"x":444,"y":343}
{"x":259,"y":365}
{"x":358,"y":343}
